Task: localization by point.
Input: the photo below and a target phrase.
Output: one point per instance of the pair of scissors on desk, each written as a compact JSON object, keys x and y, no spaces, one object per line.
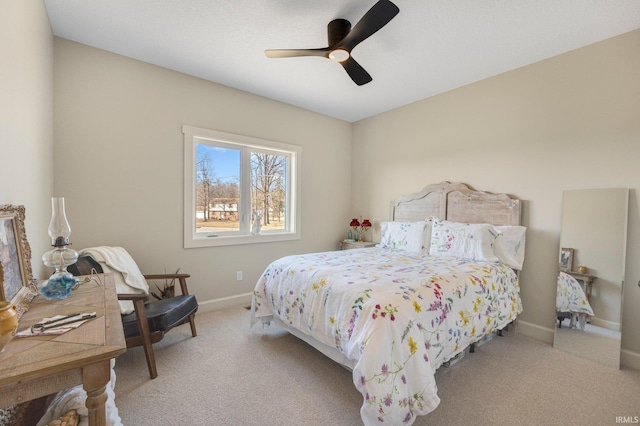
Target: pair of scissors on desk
{"x":69,"y":319}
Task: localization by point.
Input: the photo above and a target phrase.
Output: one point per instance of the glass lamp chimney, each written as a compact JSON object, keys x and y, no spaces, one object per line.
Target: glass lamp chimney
{"x":59,"y":229}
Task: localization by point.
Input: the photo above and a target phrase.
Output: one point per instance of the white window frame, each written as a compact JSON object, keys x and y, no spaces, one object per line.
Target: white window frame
{"x":192,"y":239}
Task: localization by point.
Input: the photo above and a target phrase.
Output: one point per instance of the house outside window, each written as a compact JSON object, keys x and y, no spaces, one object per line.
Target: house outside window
{"x":239,"y":189}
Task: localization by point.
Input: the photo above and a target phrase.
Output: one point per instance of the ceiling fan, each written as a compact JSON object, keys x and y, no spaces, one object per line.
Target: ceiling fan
{"x":342,"y":39}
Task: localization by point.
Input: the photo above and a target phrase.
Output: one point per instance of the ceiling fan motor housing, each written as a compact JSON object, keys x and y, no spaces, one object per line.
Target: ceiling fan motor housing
{"x":337,"y":30}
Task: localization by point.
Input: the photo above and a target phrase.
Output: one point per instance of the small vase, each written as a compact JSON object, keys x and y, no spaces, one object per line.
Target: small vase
{"x":8,"y":323}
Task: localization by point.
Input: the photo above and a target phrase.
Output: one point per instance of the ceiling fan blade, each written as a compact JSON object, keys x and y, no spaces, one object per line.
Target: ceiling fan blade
{"x":356,"y":72}
{"x":292,"y":53}
{"x":377,"y":17}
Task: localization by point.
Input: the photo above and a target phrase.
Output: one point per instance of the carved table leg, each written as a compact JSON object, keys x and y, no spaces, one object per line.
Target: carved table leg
{"x":95,"y":378}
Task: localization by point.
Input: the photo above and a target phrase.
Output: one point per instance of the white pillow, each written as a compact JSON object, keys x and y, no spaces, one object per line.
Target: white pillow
{"x":408,"y":236}
{"x":509,"y":246}
{"x":465,"y":240}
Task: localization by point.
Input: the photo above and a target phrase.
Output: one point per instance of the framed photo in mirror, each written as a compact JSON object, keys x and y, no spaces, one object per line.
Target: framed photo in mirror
{"x":18,"y":285}
{"x":566,"y":259}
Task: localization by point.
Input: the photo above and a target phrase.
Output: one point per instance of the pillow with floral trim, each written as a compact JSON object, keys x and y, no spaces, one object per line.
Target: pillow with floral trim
{"x":408,"y":236}
{"x":473,"y":241}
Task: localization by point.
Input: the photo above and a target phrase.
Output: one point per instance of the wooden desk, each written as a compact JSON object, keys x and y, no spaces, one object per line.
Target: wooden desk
{"x":37,"y":366}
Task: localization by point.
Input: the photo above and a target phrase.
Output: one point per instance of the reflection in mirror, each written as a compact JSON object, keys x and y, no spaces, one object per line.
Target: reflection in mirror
{"x":593,"y":244}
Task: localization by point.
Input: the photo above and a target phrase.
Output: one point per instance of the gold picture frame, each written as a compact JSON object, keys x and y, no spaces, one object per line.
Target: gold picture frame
{"x":18,"y":284}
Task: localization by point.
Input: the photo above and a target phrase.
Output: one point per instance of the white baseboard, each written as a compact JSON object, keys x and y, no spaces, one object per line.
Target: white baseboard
{"x":224,"y":302}
{"x":630,"y":359}
{"x":536,"y":332}
{"x":609,"y":325}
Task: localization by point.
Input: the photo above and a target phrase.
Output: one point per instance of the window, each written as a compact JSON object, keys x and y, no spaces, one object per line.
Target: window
{"x":235,"y":183}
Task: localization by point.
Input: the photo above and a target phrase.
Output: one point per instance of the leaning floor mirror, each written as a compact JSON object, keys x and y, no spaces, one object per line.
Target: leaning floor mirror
{"x":591,"y":265}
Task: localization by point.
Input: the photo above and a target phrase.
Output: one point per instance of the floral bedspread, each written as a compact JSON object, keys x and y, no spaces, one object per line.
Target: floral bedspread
{"x":398,"y":315}
{"x":571,"y":297}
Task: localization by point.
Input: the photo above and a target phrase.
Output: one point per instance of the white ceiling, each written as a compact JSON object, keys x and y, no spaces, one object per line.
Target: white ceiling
{"x":430,"y":47}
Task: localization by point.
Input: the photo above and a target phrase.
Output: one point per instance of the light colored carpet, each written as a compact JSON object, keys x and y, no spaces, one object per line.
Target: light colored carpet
{"x":231,"y":374}
{"x":594,"y":343}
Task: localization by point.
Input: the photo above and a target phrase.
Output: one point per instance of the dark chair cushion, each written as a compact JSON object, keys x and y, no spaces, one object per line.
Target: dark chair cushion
{"x":162,"y":315}
{"x":84,"y":265}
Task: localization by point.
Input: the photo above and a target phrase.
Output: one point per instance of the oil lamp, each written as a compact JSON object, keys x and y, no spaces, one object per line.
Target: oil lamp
{"x":60,"y":283}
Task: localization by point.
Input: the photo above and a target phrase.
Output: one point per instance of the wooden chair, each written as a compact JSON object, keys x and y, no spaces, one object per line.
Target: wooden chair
{"x":149,"y":322}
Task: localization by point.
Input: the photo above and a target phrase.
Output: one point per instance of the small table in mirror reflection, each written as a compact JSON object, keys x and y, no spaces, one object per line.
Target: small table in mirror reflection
{"x":585,"y":279}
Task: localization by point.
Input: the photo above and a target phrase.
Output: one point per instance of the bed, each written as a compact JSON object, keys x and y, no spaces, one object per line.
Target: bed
{"x":443,"y":278}
{"x":572,"y":302}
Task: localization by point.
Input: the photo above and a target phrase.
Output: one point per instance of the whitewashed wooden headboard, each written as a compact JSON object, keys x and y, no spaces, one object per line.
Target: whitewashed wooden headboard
{"x":459,"y":203}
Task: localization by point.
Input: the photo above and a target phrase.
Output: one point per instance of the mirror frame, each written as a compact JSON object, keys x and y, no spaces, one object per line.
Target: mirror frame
{"x":15,"y":255}
{"x":616,"y":206}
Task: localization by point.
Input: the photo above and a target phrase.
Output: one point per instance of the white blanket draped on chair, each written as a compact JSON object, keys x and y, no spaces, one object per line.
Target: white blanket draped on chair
{"x":127,"y":275}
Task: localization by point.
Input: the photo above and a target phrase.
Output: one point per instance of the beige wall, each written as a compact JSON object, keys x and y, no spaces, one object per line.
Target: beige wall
{"x":569,"y":122}
{"x":26,"y":117}
{"x":119,"y":164}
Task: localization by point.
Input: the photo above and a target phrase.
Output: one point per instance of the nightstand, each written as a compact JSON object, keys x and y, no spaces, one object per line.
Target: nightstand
{"x":586,"y":279}
{"x":347,"y":245}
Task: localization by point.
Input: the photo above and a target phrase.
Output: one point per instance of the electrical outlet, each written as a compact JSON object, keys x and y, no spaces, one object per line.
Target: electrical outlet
{"x":239,"y":276}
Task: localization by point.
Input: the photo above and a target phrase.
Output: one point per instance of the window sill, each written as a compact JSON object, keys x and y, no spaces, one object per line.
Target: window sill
{"x":233,"y":240}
